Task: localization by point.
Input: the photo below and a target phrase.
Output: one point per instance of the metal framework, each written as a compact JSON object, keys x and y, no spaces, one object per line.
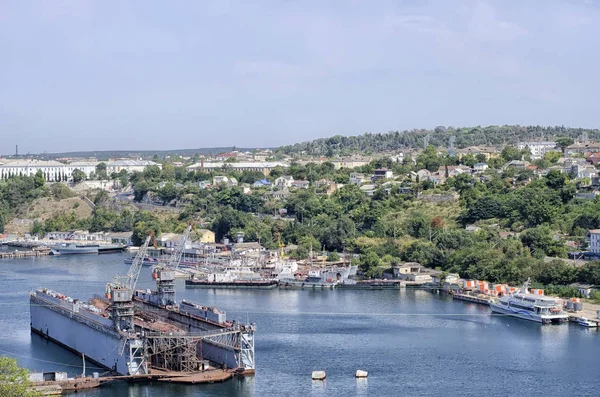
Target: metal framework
{"x":165,"y":275}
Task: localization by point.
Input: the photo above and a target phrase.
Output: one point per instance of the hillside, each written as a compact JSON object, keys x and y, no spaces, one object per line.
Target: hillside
{"x":439,"y":137}
{"x":45,"y":208}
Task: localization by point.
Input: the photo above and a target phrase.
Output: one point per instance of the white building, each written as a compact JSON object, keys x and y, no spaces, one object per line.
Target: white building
{"x":87,"y":167}
{"x":284,"y":181}
{"x":53,"y":170}
{"x":538,"y":149}
{"x":129,"y":165}
{"x":594,"y":240}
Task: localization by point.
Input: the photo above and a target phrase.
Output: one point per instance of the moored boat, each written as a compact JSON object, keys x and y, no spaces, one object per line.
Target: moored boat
{"x":532,"y":307}
{"x":586,"y":322}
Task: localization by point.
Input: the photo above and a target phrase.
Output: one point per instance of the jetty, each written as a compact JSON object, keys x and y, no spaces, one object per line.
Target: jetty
{"x":25,"y":254}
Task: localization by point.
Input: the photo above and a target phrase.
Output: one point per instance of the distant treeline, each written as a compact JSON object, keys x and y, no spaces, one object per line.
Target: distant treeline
{"x":439,"y":137}
{"x":146,"y":154}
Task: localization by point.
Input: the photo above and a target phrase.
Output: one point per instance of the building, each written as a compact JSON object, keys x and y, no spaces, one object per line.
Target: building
{"x":480,"y":167}
{"x":129,"y":166}
{"x":285,"y":181}
{"x":593,"y":238}
{"x":218,"y":180}
{"x":358,"y":178}
{"x":538,"y":149}
{"x":382,"y":173}
{"x":123,"y":238}
{"x":53,"y":171}
{"x":171,"y":240}
{"x":262,"y":183}
{"x":582,"y":148}
{"x":301,"y":184}
{"x":350,"y":163}
{"x":205,"y":236}
{"x":264,"y":167}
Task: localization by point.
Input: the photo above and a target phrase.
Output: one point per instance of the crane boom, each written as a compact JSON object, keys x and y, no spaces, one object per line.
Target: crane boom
{"x":175,"y":258}
{"x":134,"y":270}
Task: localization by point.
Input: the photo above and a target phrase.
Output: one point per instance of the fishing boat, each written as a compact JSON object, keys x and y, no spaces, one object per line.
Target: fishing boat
{"x":527,"y":306}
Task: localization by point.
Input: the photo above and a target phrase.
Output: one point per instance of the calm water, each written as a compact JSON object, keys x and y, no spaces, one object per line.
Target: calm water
{"x":411,"y":342}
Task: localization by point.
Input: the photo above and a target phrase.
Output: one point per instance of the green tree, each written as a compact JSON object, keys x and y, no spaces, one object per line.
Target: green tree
{"x":39,"y":180}
{"x":14,"y":380}
{"x":101,"y":171}
{"x":78,"y":176}
{"x":563,"y":142}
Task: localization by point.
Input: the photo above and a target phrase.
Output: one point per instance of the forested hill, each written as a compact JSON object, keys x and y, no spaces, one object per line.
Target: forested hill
{"x":440,"y":136}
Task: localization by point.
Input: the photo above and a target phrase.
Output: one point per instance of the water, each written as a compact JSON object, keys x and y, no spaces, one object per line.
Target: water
{"x":412,"y":342}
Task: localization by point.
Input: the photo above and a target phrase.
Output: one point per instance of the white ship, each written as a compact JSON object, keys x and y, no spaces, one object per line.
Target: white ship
{"x":532,"y":307}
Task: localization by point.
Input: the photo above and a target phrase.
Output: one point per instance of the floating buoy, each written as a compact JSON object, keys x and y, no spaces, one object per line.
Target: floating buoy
{"x":361,"y":373}
{"x":319,"y":375}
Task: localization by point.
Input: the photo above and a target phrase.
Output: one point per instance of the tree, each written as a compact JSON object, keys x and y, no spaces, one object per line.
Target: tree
{"x":78,"y":176}
{"x":101,"y":171}
{"x":14,"y":380}
{"x":369,"y":264}
{"x":39,"y":179}
{"x":562,"y":143}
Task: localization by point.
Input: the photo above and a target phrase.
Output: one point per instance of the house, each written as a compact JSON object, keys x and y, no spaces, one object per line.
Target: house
{"x":206,"y":236}
{"x":406,"y":268}
{"x":123,"y":238}
{"x":323,"y":182}
{"x":423,"y":174}
{"x":262,"y":183}
{"x":593,"y":239}
{"x":593,"y":158}
{"x":520,"y":164}
{"x":369,"y":190}
{"x":472,"y":228}
{"x":382,"y":173}
{"x":451,"y":278}
{"x":301,"y":184}
{"x":358,"y":178}
{"x":219,"y":179}
{"x":204,"y":184}
{"x":277,"y":194}
{"x":284,"y":181}
{"x":582,"y":148}
{"x":583,"y":289}
{"x":538,"y":149}
{"x":480,"y":167}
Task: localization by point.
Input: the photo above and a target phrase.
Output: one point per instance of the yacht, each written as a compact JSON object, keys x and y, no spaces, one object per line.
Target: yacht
{"x":538,"y":308}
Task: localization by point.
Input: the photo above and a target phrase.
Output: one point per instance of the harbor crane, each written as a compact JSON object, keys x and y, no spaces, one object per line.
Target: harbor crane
{"x":165,"y":275}
{"x":120,"y":291}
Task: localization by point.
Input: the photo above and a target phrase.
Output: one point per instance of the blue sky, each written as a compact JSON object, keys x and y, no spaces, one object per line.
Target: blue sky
{"x":97,"y":75}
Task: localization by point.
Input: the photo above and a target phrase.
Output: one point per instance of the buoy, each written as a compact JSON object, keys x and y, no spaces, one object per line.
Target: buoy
{"x":319,"y":375}
{"x":361,"y":373}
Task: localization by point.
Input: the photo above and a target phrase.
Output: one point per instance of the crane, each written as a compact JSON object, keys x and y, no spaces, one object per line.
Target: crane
{"x":165,"y":275}
{"x":120,"y":291}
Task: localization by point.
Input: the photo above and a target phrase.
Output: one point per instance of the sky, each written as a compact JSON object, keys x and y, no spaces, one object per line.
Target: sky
{"x":149,"y":74}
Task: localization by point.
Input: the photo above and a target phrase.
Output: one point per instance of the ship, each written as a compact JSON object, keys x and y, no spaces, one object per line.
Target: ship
{"x":75,"y":249}
{"x":148,"y":261}
{"x":533,"y":307}
{"x":130,"y":332}
{"x":234,"y":284}
{"x":241,"y":278}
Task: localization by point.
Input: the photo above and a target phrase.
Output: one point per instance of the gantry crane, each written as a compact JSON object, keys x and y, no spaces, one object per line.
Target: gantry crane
{"x":165,"y":275}
{"x":120,"y":291}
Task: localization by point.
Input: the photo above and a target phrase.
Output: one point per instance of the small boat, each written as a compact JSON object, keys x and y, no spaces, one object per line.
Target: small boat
{"x":585,"y":322}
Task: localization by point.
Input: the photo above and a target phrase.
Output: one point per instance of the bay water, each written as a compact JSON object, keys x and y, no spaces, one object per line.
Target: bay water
{"x":412,"y":342}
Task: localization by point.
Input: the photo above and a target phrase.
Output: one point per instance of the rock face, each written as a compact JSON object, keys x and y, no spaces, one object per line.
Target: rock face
{"x":319,"y":375}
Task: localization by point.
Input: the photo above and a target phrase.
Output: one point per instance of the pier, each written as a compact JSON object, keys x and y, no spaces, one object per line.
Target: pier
{"x":24,"y":254}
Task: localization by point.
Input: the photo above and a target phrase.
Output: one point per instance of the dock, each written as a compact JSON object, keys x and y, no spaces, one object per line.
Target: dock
{"x":24,"y":254}
{"x":481,"y":299}
{"x":57,"y":387}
